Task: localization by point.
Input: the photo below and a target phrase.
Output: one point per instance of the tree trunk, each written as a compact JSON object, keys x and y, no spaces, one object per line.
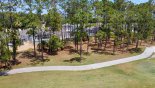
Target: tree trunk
{"x":137,"y":43}
{"x":65,"y":32}
{"x":7,"y":41}
{"x":128,"y":43}
{"x":114,"y":47}
{"x":34,"y":44}
{"x":14,"y":49}
{"x":95,"y":39}
{"x":39,"y":40}
{"x":123,"y":47}
{"x":62,"y":35}
{"x":75,"y":43}
{"x":106,"y":41}
{"x":141,"y":42}
{"x":89,"y":29}
{"x":81,"y":48}
{"x":53,"y":31}
{"x":87,"y":44}
{"x":13,"y":36}
{"x":42,"y":56}
{"x":50,"y":32}
{"x":101,"y":44}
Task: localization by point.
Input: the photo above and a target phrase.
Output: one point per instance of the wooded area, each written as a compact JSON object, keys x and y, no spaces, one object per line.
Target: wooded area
{"x":122,"y":23}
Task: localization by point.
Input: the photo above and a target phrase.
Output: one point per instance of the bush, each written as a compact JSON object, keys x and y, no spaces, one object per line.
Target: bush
{"x":55,"y":43}
{"x":44,"y":45}
{"x":5,"y":55}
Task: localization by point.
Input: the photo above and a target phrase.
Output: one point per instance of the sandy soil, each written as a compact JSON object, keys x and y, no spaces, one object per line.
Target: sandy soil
{"x":25,"y":46}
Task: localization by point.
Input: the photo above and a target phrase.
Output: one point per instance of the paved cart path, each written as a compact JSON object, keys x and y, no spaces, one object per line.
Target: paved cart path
{"x":146,"y":54}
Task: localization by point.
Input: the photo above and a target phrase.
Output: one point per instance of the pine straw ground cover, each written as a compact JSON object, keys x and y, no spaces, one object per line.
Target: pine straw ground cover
{"x":68,"y":56}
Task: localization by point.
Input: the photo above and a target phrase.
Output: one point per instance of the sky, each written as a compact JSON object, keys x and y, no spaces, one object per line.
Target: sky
{"x":137,"y":1}
{"x":134,"y":1}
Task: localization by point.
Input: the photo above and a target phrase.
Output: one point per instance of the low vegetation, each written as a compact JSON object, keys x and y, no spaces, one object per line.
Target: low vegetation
{"x":139,"y":74}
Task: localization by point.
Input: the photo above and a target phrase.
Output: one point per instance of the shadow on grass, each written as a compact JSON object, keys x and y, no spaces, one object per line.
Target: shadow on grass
{"x":34,"y":61}
{"x":86,"y":53}
{"x":3,"y":73}
{"x":92,"y":45}
{"x":70,"y":49}
{"x":12,"y":62}
{"x":75,"y":59}
{"x":101,"y":51}
{"x":26,"y":54}
{"x":135,"y":50}
{"x":38,"y":61}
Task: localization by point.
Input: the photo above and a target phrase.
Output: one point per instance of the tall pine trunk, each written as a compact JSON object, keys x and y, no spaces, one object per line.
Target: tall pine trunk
{"x":13,"y":36}
{"x":81,"y":48}
{"x":88,"y":44}
{"x":137,"y":43}
{"x":42,"y":56}
{"x":34,"y":43}
{"x":62,"y":38}
{"x":14,"y":48}
{"x":114,"y":47}
{"x":106,"y":41}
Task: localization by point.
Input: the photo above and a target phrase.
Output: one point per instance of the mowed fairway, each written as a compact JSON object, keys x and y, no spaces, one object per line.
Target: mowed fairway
{"x":139,"y":74}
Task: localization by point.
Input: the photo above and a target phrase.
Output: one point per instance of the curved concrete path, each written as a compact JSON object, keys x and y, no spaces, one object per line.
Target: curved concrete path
{"x":146,"y":54}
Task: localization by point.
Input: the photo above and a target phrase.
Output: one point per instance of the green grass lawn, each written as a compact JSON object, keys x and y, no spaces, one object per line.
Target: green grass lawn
{"x":65,"y":60}
{"x":139,"y":74}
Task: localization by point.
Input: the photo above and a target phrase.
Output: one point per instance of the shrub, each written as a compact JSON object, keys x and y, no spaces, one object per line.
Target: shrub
{"x":55,"y":43}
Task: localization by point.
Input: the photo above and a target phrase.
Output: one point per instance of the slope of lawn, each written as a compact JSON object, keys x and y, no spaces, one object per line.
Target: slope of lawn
{"x":71,"y":59}
{"x":68,"y":56}
{"x":139,"y":74}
